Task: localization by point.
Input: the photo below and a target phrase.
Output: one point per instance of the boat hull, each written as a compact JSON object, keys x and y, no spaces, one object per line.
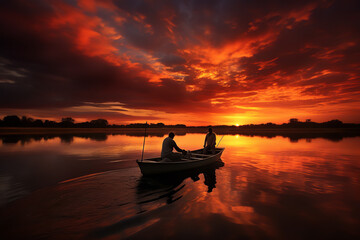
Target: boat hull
{"x":151,"y":166}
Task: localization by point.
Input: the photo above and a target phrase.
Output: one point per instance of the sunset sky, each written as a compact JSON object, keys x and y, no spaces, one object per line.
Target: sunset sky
{"x":193,"y":62}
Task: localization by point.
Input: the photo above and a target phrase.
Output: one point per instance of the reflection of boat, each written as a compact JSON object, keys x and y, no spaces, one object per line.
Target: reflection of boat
{"x":168,"y":186}
{"x":154,"y":194}
{"x":194,"y":160}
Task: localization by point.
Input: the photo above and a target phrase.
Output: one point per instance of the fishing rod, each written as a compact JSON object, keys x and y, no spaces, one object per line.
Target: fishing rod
{"x":142,"y":154}
{"x":220,"y":141}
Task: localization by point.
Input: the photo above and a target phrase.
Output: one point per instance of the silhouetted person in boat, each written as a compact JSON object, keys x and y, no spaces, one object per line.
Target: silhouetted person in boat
{"x":210,"y":142}
{"x":167,"y":149}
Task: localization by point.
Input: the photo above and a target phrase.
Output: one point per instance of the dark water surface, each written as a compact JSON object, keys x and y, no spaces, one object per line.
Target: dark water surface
{"x":89,"y":187}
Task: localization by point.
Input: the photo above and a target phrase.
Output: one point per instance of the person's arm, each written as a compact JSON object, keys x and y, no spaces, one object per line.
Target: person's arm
{"x":176,"y":147}
{"x":205,"y":140}
{"x":214,"y":140}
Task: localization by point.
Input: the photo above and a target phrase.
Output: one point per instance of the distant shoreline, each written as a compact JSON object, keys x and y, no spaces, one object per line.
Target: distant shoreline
{"x":218,"y":130}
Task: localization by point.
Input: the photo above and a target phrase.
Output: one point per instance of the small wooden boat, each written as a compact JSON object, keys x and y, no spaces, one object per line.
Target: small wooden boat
{"x":193,"y":160}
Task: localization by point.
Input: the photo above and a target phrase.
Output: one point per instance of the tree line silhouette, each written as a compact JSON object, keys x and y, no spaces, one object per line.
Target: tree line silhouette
{"x":68,"y":122}
{"x":295,"y":123}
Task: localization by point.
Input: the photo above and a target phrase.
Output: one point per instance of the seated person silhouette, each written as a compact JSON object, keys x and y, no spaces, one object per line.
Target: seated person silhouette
{"x":167,"y":149}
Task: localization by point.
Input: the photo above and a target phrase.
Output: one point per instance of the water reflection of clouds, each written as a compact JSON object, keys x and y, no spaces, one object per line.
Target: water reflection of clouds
{"x":266,"y":172}
{"x":268,"y":188}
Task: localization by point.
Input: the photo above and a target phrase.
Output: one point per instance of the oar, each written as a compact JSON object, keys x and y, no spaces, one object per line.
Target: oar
{"x":142,"y":155}
{"x":220,"y":141}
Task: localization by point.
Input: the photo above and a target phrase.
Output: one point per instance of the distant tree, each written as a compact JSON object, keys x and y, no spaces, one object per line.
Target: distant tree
{"x":333,"y":123}
{"x":270,"y":124}
{"x":137,"y":125}
{"x":336,"y":121}
{"x":83,"y":125}
{"x":157,"y":125}
{"x":27,"y":122}
{"x":308,"y":120}
{"x":48,"y":123}
{"x":12,"y":121}
{"x":100,"y":123}
{"x":68,"y":119}
{"x":23,"y":119}
{"x":293,"y":120}
{"x":38,"y":123}
{"x":67,"y":122}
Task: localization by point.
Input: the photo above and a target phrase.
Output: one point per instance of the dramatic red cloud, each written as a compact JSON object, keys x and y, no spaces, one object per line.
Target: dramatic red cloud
{"x":200,"y":62}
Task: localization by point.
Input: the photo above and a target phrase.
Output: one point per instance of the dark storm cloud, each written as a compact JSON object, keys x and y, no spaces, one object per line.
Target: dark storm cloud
{"x":55,"y":54}
{"x":171,"y":60}
{"x":58,"y":75}
{"x":225,"y":20}
{"x":315,"y":45}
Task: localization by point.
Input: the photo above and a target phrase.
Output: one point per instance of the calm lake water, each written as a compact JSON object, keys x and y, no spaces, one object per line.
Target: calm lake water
{"x":89,"y":187}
